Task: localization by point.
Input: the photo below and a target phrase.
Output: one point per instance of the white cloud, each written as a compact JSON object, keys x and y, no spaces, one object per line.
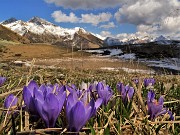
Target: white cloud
{"x":109,"y":25}
{"x":152,"y":16}
{"x":61,"y":17}
{"x":93,"y":19}
{"x":106,"y":34}
{"x":86,"y":4}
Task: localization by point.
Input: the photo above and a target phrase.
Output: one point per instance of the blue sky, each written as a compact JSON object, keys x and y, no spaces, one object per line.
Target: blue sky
{"x":105,"y":17}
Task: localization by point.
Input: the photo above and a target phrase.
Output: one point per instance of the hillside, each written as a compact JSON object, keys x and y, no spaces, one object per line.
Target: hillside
{"x":9,"y":35}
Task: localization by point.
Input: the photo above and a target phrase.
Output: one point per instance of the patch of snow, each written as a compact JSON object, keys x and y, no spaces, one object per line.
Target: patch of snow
{"x":115,"y":51}
{"x":128,"y":70}
{"x":18,"y":62}
{"x":26,"y":63}
{"x":109,"y":68}
{"x":94,"y":51}
{"x":171,"y":63}
{"x":127,"y":56}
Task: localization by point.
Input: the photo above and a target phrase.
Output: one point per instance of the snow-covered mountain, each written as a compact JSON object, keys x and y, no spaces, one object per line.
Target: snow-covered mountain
{"x":126,"y":41}
{"x":39,"y":30}
{"x":139,"y":40}
{"x":163,"y":40}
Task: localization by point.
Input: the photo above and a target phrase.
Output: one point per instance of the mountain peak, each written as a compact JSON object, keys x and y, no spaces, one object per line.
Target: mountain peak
{"x":10,"y":20}
{"x":80,"y":30}
{"x":161,"y":38}
{"x":40,"y":21}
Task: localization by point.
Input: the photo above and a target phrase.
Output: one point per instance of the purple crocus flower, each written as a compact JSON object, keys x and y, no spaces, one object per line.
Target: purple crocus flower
{"x":126,"y":92}
{"x":2,"y":80}
{"x":136,"y":81}
{"x":149,"y":81}
{"x":156,"y":108}
{"x":104,"y":92}
{"x":10,"y":101}
{"x":78,"y":113}
{"x":46,"y":101}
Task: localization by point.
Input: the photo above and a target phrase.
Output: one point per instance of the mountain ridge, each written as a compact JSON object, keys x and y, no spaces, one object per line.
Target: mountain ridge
{"x":111,"y":41}
{"x":38,"y":30}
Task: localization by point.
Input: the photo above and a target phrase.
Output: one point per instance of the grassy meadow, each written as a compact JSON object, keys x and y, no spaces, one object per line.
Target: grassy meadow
{"x":74,"y":68}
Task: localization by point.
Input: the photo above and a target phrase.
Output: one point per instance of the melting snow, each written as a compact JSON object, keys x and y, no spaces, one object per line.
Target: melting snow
{"x":171,"y":63}
{"x":129,"y":70}
{"x":131,"y":56}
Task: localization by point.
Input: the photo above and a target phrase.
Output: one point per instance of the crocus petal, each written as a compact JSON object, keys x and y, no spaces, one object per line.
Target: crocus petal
{"x":161,"y":100}
{"x":171,"y":115}
{"x":72,"y":99}
{"x":27,"y":95}
{"x":43,"y":89}
{"x":119,"y":87}
{"x":10,"y":101}
{"x":29,"y":100}
{"x":71,"y":89}
{"x":130,"y":92}
{"x":79,"y":93}
{"x":61,"y":98}
{"x":38,"y":94}
{"x":84,"y":86}
{"x":164,"y":111}
{"x":151,"y":96}
{"x":86,"y":97}
{"x":60,"y":89}
{"x":50,"y":89}
{"x":77,"y":117}
{"x":50,"y":110}
{"x":154,"y":109}
{"x":136,"y":81}
{"x":104,"y":92}
{"x":95,"y":105}
{"x":98,"y":103}
{"x":32,"y":85}
{"x":2,"y":80}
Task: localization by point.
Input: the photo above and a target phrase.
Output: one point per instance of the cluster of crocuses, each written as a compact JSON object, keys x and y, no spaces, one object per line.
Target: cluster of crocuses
{"x":47,"y":102}
{"x":147,"y":81}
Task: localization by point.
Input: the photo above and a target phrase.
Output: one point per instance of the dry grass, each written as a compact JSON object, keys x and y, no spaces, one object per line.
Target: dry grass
{"x":33,"y":51}
{"x":49,"y":55}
